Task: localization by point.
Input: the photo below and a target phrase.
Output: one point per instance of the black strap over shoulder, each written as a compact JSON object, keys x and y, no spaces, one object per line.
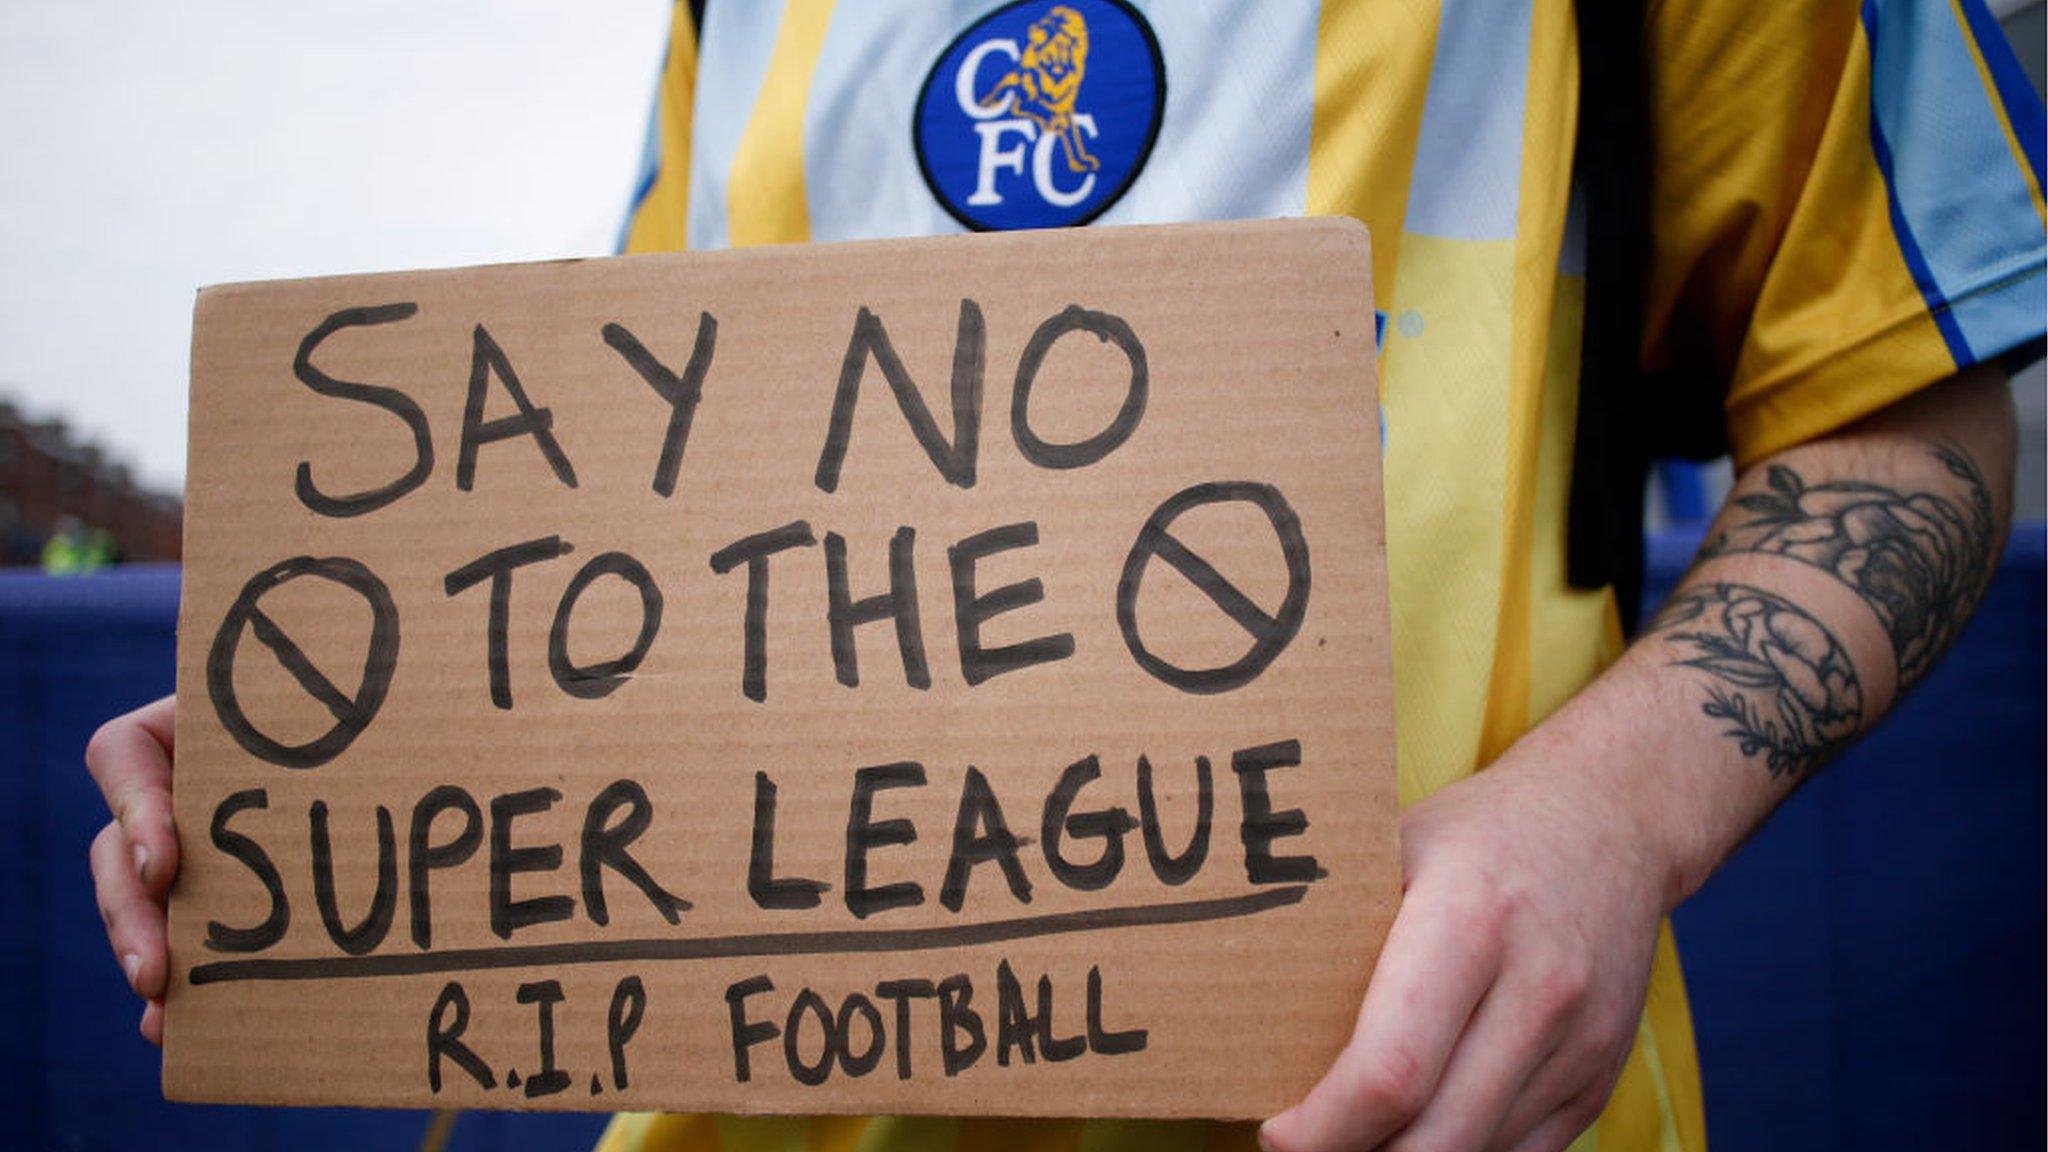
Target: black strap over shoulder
{"x":1626,"y":418}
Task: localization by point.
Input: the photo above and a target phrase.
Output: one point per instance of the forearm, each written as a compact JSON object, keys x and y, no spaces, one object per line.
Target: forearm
{"x":1833,"y":579}
{"x":1507,"y":997}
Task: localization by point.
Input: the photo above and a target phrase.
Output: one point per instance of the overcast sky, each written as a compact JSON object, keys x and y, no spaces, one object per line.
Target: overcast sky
{"x":149,"y":148}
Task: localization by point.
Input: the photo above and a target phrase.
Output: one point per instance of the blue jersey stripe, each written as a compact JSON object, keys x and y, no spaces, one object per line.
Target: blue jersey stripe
{"x":1916,"y":263}
{"x":732,"y":60}
{"x":650,"y":157}
{"x":2022,"y":104}
{"x":1931,"y":119}
{"x":859,"y":119}
{"x":1466,"y":183}
{"x":1234,"y":143}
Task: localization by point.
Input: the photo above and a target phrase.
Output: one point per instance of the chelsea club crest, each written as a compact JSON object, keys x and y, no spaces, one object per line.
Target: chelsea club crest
{"x":1040,"y":114}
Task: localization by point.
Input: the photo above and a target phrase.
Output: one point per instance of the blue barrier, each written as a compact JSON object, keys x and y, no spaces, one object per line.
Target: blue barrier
{"x":1867,"y":974}
{"x":75,"y":1074}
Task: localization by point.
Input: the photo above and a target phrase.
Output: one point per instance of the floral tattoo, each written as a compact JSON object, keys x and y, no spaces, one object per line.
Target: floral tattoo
{"x":1919,"y":559}
{"x":1782,"y":682}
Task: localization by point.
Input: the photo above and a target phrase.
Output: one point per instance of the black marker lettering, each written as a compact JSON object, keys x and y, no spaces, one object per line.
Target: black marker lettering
{"x":486,"y":359}
{"x":1013,"y":1019}
{"x":1056,"y":1049}
{"x":390,"y":399}
{"x":1109,"y":329}
{"x":859,"y":1063}
{"x":863,"y":833}
{"x":957,"y":1016}
{"x":423,"y":856}
{"x":1176,"y":870}
{"x":444,"y":1038}
{"x":1262,"y":825}
{"x":980,"y":834}
{"x":792,"y":1037}
{"x":747,"y":1033}
{"x":509,"y":915}
{"x":497,"y":567}
{"x":768,"y":890}
{"x":601,"y":679}
{"x":955,"y":460}
{"x":376,"y":923}
{"x":903,"y":992}
{"x":1060,"y":822}
{"x":899,"y":604}
{"x":220,"y":937}
{"x":605,"y":845}
{"x":972,"y":610}
{"x":549,"y":1079}
{"x":682,"y":392}
{"x":1101,"y":1039}
{"x":754,"y":551}
{"x":629,"y":1006}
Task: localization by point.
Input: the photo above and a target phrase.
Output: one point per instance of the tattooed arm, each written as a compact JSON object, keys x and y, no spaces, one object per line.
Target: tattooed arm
{"x":1834,"y":579}
{"x":1507,"y":996}
{"x":1919,"y":558}
{"x":1918,"y":555}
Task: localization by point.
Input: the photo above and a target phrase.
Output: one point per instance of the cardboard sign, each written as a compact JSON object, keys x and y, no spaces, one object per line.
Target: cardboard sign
{"x":943,"y":676}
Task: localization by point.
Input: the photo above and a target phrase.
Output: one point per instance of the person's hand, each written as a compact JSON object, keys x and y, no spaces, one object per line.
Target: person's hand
{"x":135,"y":856}
{"x":1507,"y":996}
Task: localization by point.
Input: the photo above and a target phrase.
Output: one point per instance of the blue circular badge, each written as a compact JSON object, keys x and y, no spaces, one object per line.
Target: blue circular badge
{"x":1041,"y":114}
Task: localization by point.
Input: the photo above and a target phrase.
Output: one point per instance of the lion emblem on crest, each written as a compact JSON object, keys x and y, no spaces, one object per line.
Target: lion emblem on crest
{"x":1047,"y":80}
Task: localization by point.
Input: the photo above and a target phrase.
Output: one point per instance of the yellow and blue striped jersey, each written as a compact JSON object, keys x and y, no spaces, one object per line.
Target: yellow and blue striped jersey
{"x":1845,"y":206}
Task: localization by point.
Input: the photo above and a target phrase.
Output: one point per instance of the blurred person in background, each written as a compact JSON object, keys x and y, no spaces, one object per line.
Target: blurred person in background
{"x":75,"y":549}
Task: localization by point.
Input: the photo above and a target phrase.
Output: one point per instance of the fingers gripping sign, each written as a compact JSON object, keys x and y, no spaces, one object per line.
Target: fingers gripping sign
{"x":136,"y":855}
{"x":1507,"y":997}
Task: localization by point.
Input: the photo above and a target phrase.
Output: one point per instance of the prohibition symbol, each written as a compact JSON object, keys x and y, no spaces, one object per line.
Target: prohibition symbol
{"x":1270,"y":632}
{"x":352,"y":712}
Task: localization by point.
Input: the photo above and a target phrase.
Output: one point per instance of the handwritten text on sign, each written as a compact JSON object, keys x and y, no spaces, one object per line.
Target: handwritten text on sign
{"x":941,"y":676}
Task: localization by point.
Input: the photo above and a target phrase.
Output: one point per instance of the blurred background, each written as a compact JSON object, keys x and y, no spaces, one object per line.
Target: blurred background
{"x":1868,"y":974}
{"x":149,"y":149}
